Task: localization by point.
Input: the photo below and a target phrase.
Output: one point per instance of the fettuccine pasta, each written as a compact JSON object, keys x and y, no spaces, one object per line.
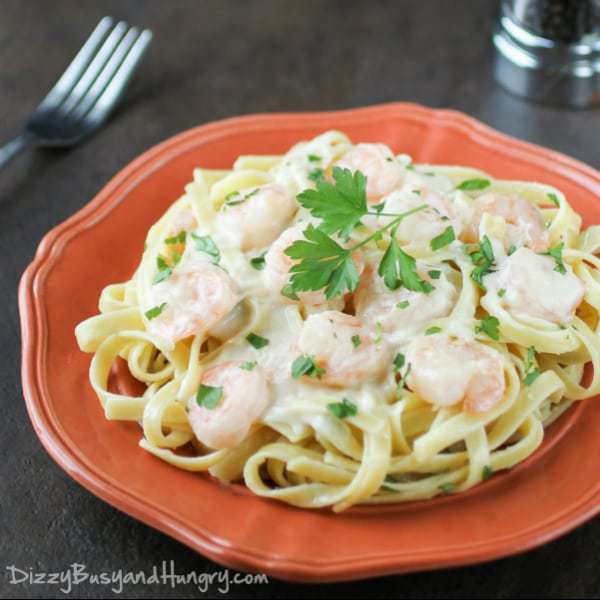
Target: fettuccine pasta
{"x":340,"y":326}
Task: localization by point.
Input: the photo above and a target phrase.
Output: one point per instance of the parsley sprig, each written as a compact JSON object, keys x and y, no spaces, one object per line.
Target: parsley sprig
{"x":323,"y":262}
{"x":483,"y":258}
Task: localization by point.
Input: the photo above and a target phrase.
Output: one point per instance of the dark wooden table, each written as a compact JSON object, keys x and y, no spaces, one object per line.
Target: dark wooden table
{"x":212,"y":59}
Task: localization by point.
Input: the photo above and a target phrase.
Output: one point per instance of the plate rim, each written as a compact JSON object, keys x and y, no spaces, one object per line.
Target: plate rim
{"x":33,"y":327}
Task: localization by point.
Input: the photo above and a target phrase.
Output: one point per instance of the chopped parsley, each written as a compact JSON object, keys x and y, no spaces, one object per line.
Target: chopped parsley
{"x":473,"y":184}
{"x":501,"y":292}
{"x":434,"y":274}
{"x":208,"y":396}
{"x":257,"y":341}
{"x":206,"y":244}
{"x":164,"y":270}
{"x":531,"y":371}
{"x":258,"y":262}
{"x":233,"y":199}
{"x":512,"y":249}
{"x":305,"y":365}
{"x":314,"y":158}
{"x":489,"y":326}
{"x":317,"y":175}
{"x":342,"y":409}
{"x":442,"y":240}
{"x":403,"y":304}
{"x":554,"y":199}
{"x":399,"y":361}
{"x":556,"y":254}
{"x":356,"y":341}
{"x":176,"y":239}
{"x":248,"y":366}
{"x":447,"y":488}
{"x":483,"y":259}
{"x":432,"y":330}
{"x":487,"y":472}
{"x":155,"y":311}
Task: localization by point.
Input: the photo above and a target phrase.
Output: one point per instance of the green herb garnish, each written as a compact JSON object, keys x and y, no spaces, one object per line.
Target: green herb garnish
{"x":313,"y":158}
{"x":206,"y":244}
{"x":445,"y":238}
{"x":434,"y":274}
{"x":473,"y":184}
{"x":317,"y":175}
{"x":258,"y":262}
{"x":208,"y":396}
{"x":556,"y":254}
{"x":399,"y":361}
{"x":403,"y":304}
{"x":432,"y":330}
{"x":305,"y":365}
{"x":323,"y":263}
{"x":257,"y":341}
{"x":489,"y":326}
{"x":554,"y":199}
{"x":356,"y":341}
{"x":155,"y":311}
{"x":164,"y":270}
{"x":483,"y":259}
{"x":342,"y":409}
{"x":248,"y":366}
{"x":487,"y":472}
{"x":176,"y":239}
{"x":531,"y":371}
{"x":398,"y":268}
{"x":447,"y":488}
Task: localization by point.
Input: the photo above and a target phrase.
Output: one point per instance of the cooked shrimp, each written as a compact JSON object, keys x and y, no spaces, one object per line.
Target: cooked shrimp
{"x":423,"y":226}
{"x":196,"y":297}
{"x":276,"y":273}
{"x":532,"y":286}
{"x":244,"y":397}
{"x":525,"y":225}
{"x":340,"y":344}
{"x":377,"y":162}
{"x":446,"y":371}
{"x":258,"y":217}
{"x":403,"y":313}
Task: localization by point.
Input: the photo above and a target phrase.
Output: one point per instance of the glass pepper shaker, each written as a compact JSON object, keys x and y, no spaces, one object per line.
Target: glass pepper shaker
{"x":548,"y":51}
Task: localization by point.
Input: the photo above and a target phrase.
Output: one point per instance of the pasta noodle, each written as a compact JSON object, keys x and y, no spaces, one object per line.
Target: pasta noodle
{"x":453,"y":344}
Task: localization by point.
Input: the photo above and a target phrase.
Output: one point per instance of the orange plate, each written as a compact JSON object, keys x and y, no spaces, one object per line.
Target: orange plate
{"x":557,"y":489}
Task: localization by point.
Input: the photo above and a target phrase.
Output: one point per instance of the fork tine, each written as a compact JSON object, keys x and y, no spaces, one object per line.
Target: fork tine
{"x":94,"y":68}
{"x":72,"y":73}
{"x":110,"y":96}
{"x":106,"y":74}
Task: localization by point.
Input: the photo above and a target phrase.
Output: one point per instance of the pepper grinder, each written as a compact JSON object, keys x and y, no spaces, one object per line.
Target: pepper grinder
{"x":548,"y":51}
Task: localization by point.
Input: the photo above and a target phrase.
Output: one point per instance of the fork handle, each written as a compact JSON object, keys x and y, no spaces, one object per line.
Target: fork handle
{"x":12,"y":148}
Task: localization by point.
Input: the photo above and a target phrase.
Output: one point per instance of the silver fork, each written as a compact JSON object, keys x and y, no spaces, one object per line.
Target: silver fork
{"x":85,"y":95}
